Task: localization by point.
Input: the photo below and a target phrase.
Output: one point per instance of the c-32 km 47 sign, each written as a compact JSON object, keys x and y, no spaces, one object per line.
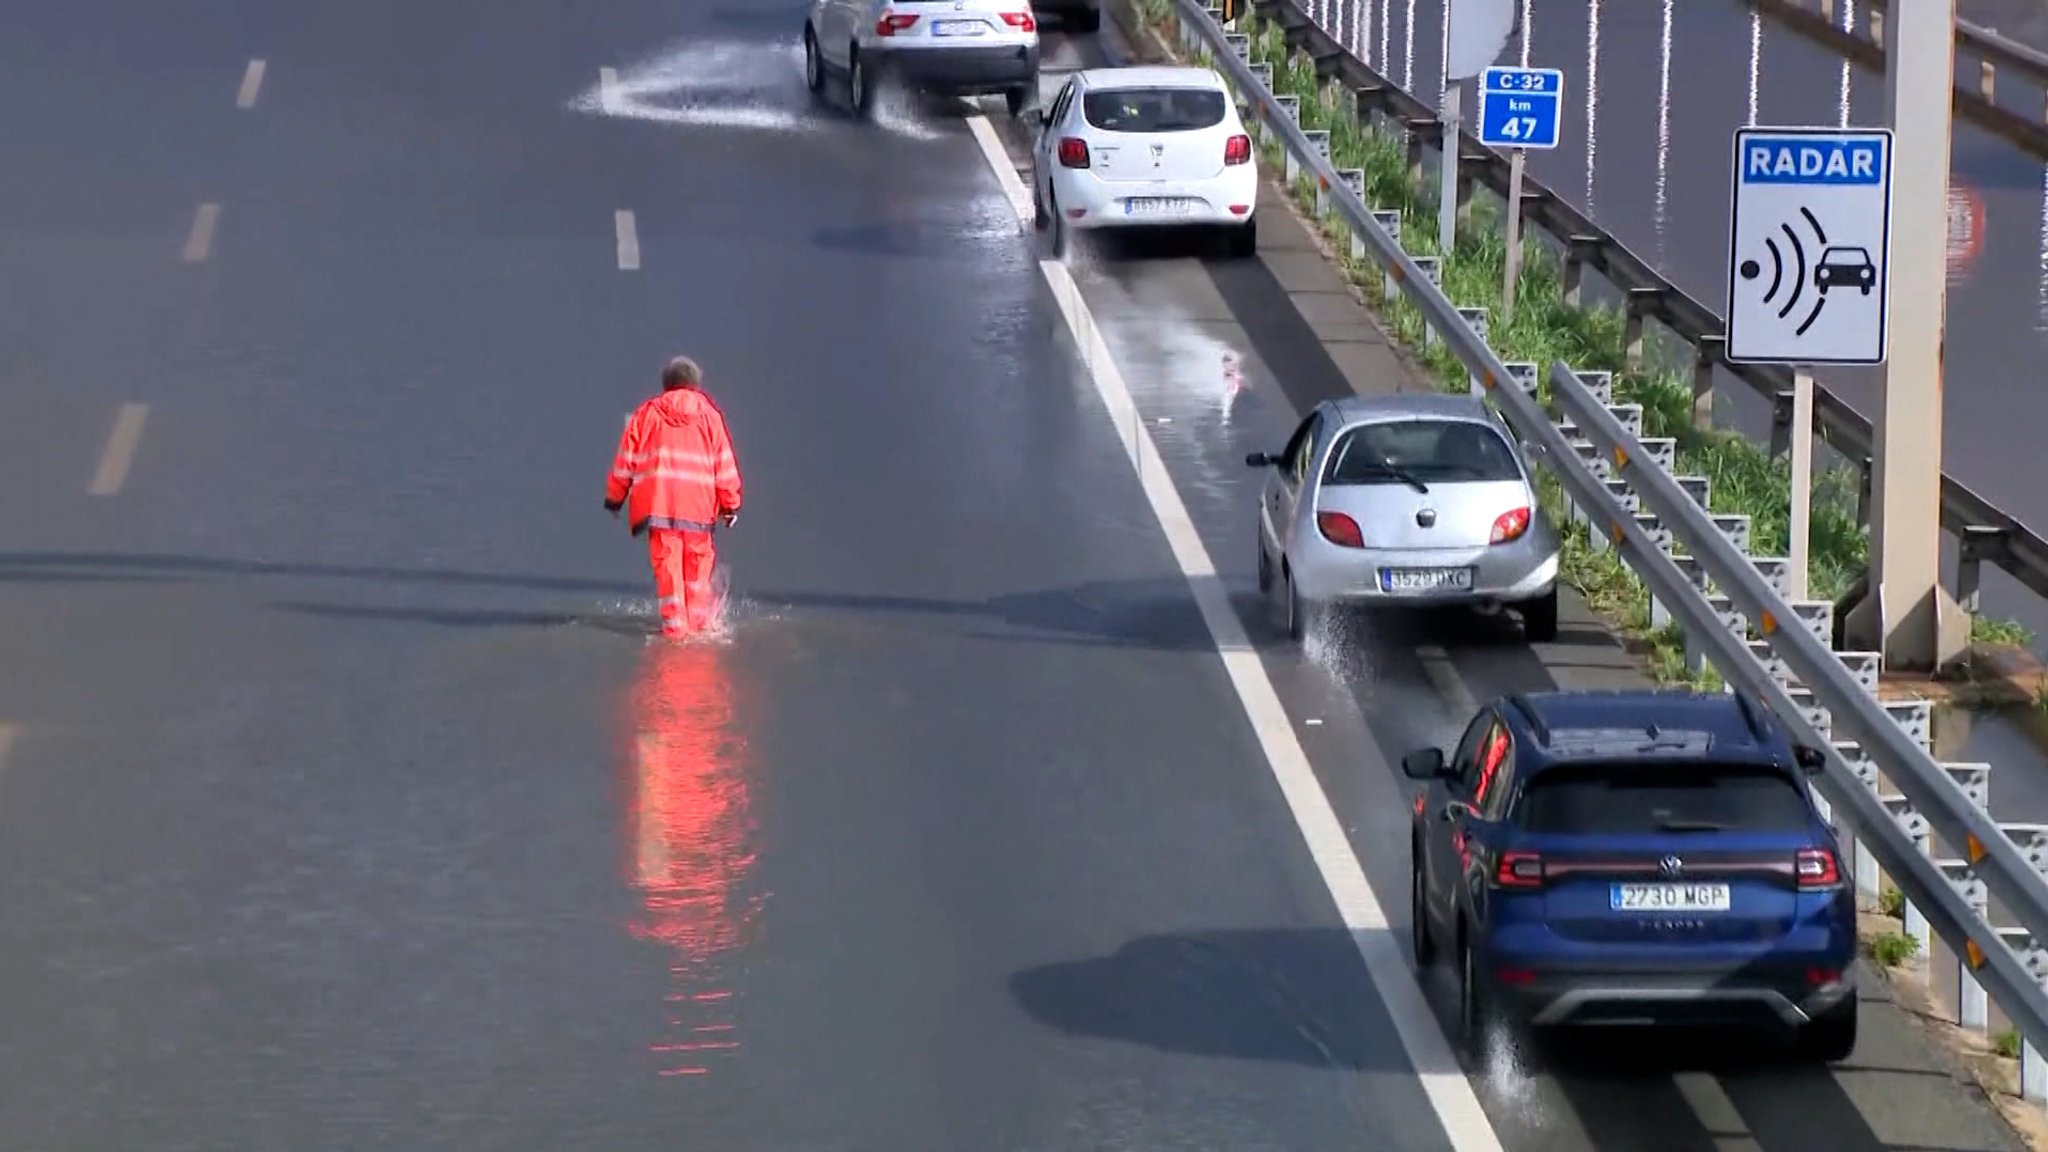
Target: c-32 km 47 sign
{"x":1809,"y":242}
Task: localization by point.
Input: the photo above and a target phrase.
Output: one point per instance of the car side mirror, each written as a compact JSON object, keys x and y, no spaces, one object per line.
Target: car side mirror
{"x":1260,"y":460}
{"x":1423,"y":764}
{"x":1811,"y":760}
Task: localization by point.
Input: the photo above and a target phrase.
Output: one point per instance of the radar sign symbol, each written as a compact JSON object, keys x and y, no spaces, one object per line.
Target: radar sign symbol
{"x":1829,"y":267}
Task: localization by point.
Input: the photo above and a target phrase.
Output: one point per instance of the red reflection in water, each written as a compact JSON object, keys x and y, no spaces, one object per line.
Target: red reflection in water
{"x":691,"y":832}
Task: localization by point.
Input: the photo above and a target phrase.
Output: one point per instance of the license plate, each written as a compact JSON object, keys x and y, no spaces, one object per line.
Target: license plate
{"x":958,"y":27}
{"x":1668,"y":897}
{"x":1425,"y":579}
{"x":1159,"y":206}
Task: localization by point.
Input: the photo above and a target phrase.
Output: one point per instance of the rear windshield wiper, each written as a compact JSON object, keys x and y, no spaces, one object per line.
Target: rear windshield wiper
{"x":1394,"y":472}
{"x":1690,"y":826}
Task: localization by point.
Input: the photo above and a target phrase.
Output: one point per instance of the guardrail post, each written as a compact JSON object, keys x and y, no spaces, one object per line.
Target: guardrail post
{"x":1320,"y":141}
{"x":1863,"y":482}
{"x":1368,"y":104}
{"x":1354,"y":179}
{"x":1421,"y":132}
{"x":1987,"y":81}
{"x":1579,"y":251}
{"x":1641,"y":302}
{"x":1980,"y":542}
{"x":1877,"y":27}
{"x":1389,"y":219}
{"x":1707,"y":353}
{"x":1433,"y":271}
{"x":1475,"y":319}
{"x":1781,"y":422}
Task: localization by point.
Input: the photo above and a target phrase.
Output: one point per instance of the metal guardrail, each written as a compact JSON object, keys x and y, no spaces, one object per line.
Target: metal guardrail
{"x":1987,"y":533}
{"x":1982,"y":47}
{"x":1881,"y":787}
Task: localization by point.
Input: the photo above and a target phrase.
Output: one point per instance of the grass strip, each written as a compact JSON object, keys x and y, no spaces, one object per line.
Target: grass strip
{"x":1745,"y":479}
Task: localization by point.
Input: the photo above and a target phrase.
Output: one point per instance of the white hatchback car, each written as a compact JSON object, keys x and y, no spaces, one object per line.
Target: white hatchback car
{"x":948,"y":47}
{"x":1144,"y":147}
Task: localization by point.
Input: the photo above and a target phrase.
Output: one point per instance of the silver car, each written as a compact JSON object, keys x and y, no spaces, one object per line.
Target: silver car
{"x":1407,"y":500}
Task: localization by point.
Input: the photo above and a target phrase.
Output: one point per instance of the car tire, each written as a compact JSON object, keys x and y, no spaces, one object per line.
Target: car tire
{"x":1059,"y":239}
{"x":1244,"y":241}
{"x":1419,"y":939}
{"x":1084,"y":20}
{"x":1832,"y":1037}
{"x":1539,"y":618}
{"x":1296,"y":612}
{"x":1265,"y":569}
{"x":814,"y":63}
{"x":860,"y":96}
{"x":1017,"y":100}
{"x":1039,"y":217}
{"x":1476,"y":1015}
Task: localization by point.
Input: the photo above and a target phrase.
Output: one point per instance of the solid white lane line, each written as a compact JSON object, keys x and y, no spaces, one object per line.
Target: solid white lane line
{"x":608,"y":90}
{"x":252,"y":84}
{"x":629,"y":239}
{"x":1006,"y":171}
{"x":1386,"y":957}
{"x":119,"y":454}
{"x":199,"y":242}
{"x":1718,"y":1115}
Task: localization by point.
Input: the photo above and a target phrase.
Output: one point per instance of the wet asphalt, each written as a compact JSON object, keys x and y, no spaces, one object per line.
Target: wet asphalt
{"x":344,"y":803}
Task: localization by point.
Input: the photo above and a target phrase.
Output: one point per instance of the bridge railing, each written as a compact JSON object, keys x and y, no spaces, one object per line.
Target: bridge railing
{"x":2001,"y":84}
{"x":1986,"y":534}
{"x":1923,"y":824}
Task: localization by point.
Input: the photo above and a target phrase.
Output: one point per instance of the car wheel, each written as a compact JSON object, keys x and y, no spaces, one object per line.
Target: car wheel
{"x":858,"y":95}
{"x":1060,"y":239}
{"x":1088,"y":19}
{"x":1244,"y":240}
{"x":814,"y":63}
{"x":1297,"y":614}
{"x":1265,"y":569}
{"x":1017,"y":100}
{"x":1830,"y":1039}
{"x":1475,"y":1013}
{"x":1539,"y":618}
{"x":1418,"y":921}
{"x":1039,"y":217}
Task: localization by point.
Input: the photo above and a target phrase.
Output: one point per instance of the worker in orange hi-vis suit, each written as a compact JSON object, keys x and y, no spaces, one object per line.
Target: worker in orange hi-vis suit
{"x":676,"y":477}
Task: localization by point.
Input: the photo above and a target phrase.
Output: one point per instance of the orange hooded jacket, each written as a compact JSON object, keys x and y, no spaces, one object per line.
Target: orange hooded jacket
{"x":675,"y":467}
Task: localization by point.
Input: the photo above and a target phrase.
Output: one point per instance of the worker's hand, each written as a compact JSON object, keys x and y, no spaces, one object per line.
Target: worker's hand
{"x":731,"y":518}
{"x":613,"y":506}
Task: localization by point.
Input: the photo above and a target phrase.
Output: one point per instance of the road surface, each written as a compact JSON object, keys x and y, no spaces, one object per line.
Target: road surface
{"x":344,"y":804}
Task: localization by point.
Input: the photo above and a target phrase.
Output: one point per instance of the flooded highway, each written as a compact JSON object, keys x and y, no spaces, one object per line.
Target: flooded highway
{"x":344,"y":802}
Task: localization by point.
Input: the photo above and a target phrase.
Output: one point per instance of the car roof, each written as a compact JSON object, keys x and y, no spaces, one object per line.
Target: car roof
{"x":1646,"y":726}
{"x":1151,"y":76}
{"x":1410,"y":406}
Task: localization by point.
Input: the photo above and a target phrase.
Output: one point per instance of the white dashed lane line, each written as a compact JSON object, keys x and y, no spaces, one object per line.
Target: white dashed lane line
{"x":119,"y":455}
{"x":629,"y":239}
{"x":199,"y":242}
{"x":252,"y":85}
{"x":1385,"y":955}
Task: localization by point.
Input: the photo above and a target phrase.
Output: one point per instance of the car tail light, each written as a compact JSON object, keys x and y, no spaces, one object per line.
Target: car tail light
{"x":1073,"y":152}
{"x":1518,"y":870}
{"x":1816,"y":868}
{"x":1021,"y":21}
{"x":1340,"y":529}
{"x":893,"y":22}
{"x":1510,"y":525}
{"x":1237,"y":150}
{"x":1822,"y":977}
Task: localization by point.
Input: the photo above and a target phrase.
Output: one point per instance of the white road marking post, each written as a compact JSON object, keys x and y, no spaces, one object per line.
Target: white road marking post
{"x":252,"y":84}
{"x":629,"y":239}
{"x":119,"y":454}
{"x":608,"y":91}
{"x":199,"y":242}
{"x":1386,"y":960}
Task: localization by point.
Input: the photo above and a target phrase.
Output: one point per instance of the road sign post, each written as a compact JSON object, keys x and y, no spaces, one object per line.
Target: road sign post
{"x":1475,"y":31}
{"x":1809,"y":251}
{"x":1519,"y":109}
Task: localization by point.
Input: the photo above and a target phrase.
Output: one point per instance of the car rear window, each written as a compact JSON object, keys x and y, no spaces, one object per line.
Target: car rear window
{"x":1636,"y":798}
{"x":1154,"y":109}
{"x":1446,"y":450}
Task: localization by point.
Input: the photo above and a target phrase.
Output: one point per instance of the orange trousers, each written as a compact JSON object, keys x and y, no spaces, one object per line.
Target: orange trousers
{"x":683,"y":592}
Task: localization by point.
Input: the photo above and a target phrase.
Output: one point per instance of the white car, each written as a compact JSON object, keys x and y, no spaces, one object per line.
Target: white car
{"x":1144,"y":147}
{"x":950,"y":48}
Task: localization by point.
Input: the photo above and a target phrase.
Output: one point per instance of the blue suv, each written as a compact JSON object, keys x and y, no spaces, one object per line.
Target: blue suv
{"x":1633,"y":858}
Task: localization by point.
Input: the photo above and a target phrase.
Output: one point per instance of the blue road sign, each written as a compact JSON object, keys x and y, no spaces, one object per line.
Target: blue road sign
{"x":1521,"y":107}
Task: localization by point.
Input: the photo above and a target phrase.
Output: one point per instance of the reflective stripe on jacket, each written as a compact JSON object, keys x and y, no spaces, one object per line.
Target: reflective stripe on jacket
{"x":675,"y":467}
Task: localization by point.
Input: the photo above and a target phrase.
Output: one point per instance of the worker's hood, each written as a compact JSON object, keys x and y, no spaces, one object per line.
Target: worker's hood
{"x":684,"y":406}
